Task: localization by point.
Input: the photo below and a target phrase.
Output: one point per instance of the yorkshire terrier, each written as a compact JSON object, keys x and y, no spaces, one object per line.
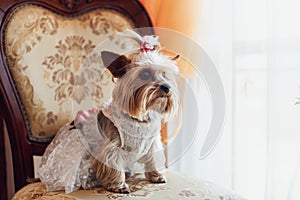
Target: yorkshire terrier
{"x":128,"y":127}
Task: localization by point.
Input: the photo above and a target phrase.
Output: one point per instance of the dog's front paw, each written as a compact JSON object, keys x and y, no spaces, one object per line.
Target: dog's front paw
{"x":128,"y":175}
{"x":158,"y":179}
{"x":155,"y":177}
{"x":118,"y":188}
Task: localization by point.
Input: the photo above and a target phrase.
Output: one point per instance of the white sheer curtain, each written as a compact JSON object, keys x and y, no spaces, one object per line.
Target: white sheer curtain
{"x":255,"y":45}
{"x":266,"y":83}
{"x":214,"y":34}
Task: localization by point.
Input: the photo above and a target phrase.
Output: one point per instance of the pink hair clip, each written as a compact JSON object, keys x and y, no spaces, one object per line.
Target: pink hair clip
{"x":146,"y":46}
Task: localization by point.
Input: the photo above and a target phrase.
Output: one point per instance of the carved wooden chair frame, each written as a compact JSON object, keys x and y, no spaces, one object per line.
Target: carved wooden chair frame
{"x":12,"y":112}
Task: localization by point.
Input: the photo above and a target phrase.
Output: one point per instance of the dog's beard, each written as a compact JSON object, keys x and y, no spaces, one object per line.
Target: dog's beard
{"x":162,"y":103}
{"x":151,"y":97}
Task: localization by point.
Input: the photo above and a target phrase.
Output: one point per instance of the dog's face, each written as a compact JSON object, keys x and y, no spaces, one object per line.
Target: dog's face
{"x":145,"y":82}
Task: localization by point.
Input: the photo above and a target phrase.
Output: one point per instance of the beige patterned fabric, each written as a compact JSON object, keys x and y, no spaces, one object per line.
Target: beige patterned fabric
{"x":177,"y":187}
{"x":54,"y":66}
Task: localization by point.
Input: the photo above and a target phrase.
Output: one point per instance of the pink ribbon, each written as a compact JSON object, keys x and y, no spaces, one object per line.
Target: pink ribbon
{"x":82,"y":116}
{"x":146,"y":46}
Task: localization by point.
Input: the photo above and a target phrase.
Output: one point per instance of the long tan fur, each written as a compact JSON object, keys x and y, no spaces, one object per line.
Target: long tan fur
{"x":146,"y":83}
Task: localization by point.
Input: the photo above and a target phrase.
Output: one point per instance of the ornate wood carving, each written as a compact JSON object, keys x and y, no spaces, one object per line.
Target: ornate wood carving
{"x":71,"y":4}
{"x":3,"y":190}
{"x":11,"y":108}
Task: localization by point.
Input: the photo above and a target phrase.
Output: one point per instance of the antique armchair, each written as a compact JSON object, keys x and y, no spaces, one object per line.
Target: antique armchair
{"x":38,"y":39}
{"x":44,"y":46}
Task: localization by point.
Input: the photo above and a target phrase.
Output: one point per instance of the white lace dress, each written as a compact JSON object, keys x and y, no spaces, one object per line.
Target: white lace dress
{"x":67,"y":163}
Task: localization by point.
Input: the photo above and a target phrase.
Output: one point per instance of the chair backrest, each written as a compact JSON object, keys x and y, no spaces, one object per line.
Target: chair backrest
{"x":48,"y":68}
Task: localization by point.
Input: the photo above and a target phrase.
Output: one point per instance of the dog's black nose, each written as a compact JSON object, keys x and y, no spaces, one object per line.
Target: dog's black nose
{"x":165,"y":88}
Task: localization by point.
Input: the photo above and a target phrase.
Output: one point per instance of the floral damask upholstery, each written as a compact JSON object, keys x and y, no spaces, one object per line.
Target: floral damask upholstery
{"x":54,"y":66}
{"x":177,"y":187}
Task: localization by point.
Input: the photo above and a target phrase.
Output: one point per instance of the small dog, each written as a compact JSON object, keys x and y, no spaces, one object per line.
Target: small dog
{"x":126,"y":132}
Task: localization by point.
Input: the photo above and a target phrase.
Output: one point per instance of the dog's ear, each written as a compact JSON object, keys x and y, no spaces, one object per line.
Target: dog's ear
{"x":115,"y":63}
{"x":176,"y":57}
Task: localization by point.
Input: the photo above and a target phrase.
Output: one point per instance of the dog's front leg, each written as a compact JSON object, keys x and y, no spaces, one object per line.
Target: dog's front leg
{"x":111,"y":179}
{"x":151,"y":171}
{"x":155,"y":177}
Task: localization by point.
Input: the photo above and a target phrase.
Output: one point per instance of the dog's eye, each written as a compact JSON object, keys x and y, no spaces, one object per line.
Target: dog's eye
{"x":166,"y":75}
{"x":145,"y":75}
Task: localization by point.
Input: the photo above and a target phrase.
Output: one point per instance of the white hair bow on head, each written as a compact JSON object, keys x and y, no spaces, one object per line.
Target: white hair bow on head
{"x":147,"y":42}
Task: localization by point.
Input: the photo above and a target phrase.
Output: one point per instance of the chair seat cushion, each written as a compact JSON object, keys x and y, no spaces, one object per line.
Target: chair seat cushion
{"x":177,"y":187}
